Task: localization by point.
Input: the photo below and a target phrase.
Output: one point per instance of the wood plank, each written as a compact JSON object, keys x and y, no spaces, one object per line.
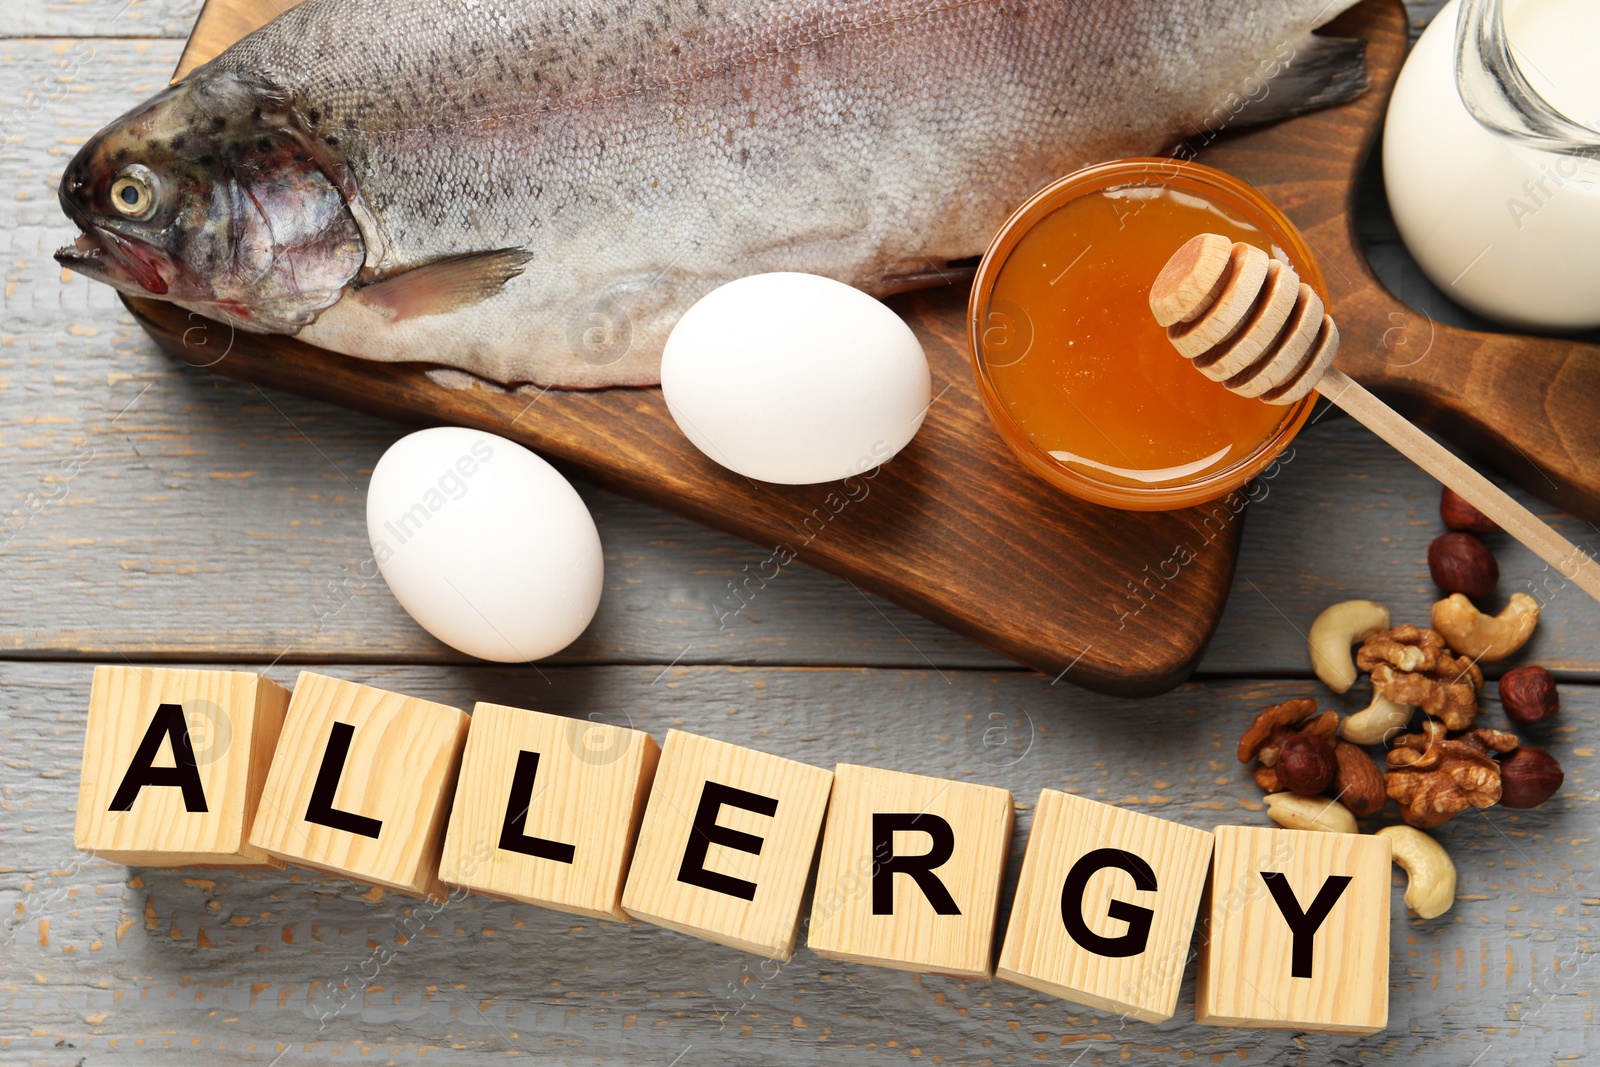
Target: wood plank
{"x":1355,"y":523}
{"x":183,"y":967}
{"x":98,"y":18}
{"x":203,"y":481}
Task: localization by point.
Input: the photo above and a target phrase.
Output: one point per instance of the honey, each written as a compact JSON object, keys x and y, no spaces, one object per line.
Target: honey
{"x":1075,"y":370}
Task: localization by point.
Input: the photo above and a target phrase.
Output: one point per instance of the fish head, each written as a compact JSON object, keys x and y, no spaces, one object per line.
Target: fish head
{"x":211,"y":195}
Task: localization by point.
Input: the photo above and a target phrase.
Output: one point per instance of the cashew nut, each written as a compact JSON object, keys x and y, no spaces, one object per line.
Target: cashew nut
{"x":1335,"y":632}
{"x":1376,"y":723}
{"x":1469,"y":632}
{"x":1295,"y":812}
{"x":1430,"y":874}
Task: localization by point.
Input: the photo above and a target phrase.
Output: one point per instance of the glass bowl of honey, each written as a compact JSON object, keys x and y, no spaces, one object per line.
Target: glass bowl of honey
{"x":1078,"y":378}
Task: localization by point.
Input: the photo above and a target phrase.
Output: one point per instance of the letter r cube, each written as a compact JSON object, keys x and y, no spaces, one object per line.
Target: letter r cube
{"x":910,"y":872}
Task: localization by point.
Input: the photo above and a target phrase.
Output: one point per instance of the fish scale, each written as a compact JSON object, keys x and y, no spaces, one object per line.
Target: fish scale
{"x":542,"y":188}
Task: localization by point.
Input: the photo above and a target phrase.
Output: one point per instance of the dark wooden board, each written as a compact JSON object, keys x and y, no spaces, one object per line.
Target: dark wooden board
{"x":952,"y":528}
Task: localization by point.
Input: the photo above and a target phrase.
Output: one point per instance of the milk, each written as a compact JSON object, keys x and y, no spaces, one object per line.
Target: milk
{"x":1510,"y":232}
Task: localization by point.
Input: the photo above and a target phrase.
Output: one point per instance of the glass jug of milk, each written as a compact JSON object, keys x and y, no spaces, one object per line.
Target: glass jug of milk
{"x":1491,"y":159}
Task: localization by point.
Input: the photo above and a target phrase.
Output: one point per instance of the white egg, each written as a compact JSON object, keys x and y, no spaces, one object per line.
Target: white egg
{"x":485,"y":544}
{"x":795,"y":378}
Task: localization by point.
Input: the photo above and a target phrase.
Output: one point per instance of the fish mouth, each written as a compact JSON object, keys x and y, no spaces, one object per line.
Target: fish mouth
{"x":108,"y":257}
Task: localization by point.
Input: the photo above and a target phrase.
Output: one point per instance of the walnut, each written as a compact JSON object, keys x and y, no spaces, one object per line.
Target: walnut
{"x":1279,"y":717}
{"x":1433,"y":778}
{"x":1405,"y":648}
{"x":1292,"y":728}
{"x":1489,"y":740}
{"x":1411,"y":665}
{"x":1432,"y":730}
{"x":1324,"y":727}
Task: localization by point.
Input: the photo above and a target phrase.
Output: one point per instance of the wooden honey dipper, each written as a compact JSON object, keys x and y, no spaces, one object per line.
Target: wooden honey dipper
{"x":1248,"y":321}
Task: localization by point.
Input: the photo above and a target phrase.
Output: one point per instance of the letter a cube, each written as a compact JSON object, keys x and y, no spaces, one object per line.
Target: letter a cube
{"x":726,"y":844}
{"x":910,"y":872}
{"x":1297,"y":932}
{"x":1105,"y":906}
{"x":547,"y":809}
{"x":361,"y":784}
{"x":173,"y":765}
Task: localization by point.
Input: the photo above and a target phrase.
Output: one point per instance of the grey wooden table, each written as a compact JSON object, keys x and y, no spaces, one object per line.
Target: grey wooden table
{"x":157,"y":514}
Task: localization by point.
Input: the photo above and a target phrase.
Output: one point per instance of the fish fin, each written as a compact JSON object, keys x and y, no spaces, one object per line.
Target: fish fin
{"x":1318,"y":72}
{"x":444,"y":284}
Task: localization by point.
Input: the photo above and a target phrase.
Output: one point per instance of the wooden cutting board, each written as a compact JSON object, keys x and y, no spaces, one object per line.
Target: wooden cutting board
{"x":953,"y":527}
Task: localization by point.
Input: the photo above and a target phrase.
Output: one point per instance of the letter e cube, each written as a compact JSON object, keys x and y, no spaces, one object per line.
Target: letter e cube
{"x":726,"y":844}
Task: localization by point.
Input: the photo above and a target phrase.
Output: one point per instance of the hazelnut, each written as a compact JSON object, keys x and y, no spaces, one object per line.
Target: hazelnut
{"x":1528,"y":778}
{"x":1459,"y":514}
{"x":1529,"y":695}
{"x":1306,"y":764}
{"x":1460,"y":563}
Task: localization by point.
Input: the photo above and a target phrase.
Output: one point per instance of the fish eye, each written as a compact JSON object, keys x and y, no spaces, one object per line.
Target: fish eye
{"x":133,"y":194}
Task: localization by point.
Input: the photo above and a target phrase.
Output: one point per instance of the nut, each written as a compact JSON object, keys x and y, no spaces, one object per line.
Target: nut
{"x":1486,"y":638}
{"x":1376,"y":723}
{"x":1324,"y":726}
{"x":1405,"y":648}
{"x":1529,"y":777}
{"x":1306,"y":763}
{"x":1430,"y":874}
{"x":1434,"y":778}
{"x":1460,"y":563}
{"x":1335,"y":631}
{"x":1413,"y":666}
{"x":1458,"y":513}
{"x":1358,"y":783}
{"x":1528,"y":695}
{"x":1271,"y":721}
{"x":1295,"y":812}
{"x":1490,"y":741}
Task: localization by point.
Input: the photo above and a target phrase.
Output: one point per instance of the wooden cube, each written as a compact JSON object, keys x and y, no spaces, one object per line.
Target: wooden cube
{"x":910,"y":872}
{"x":726,"y":844}
{"x":547,"y":808}
{"x":1297,"y":932}
{"x":173,"y":765}
{"x":1106,"y":905}
{"x":361,"y":784}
